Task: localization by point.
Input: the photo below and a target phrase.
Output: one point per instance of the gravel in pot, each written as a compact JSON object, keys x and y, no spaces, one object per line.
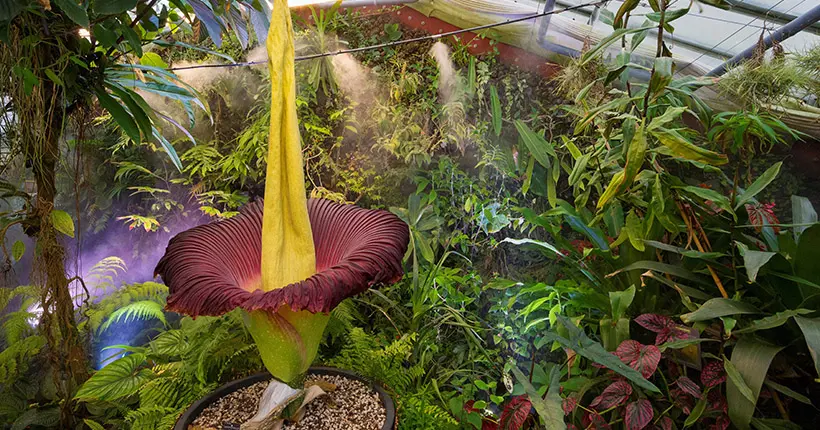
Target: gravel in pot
{"x":354,"y":404}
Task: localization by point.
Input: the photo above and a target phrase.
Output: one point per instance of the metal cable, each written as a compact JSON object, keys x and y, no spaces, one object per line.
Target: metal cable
{"x":727,"y":38}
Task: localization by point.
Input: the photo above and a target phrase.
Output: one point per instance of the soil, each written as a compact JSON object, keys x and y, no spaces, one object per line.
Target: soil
{"x":351,"y":406}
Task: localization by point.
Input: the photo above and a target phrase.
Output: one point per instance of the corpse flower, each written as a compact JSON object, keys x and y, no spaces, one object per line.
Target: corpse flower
{"x":286,"y":262}
{"x":215,"y":268}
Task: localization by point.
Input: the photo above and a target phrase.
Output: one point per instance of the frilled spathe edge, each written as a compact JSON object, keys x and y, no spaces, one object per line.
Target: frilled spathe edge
{"x":214,"y":268}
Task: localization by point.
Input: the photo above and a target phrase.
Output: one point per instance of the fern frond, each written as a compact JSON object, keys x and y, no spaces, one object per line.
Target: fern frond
{"x":149,"y":418}
{"x":145,"y":309}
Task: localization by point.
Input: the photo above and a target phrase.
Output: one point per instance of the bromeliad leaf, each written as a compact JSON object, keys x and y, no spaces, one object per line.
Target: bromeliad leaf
{"x":638,"y":414}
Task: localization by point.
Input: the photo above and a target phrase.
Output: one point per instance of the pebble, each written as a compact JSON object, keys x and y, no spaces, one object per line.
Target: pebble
{"x":352,"y":406}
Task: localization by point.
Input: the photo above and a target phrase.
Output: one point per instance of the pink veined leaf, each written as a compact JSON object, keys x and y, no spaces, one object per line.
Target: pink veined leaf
{"x":615,"y":394}
{"x":758,"y":213}
{"x":717,"y":401}
{"x":638,"y":414}
{"x":643,"y":358}
{"x":515,"y":412}
{"x":594,"y":421}
{"x":569,"y":404}
{"x":654,"y":322}
{"x":664,"y":336}
{"x":571,"y":427}
{"x":713,"y":374}
{"x":689,"y":386}
{"x":684,"y":401}
{"x":721,"y":423}
{"x":666,"y":423}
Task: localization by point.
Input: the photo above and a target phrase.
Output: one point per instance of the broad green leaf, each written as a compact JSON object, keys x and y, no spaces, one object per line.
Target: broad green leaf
{"x":681,"y":147}
{"x":758,"y":185}
{"x":696,"y":412}
{"x":133,"y":39}
{"x":772,"y":321}
{"x":706,"y":194}
{"x":495,"y":105}
{"x":548,"y":407}
{"x":93,"y":425}
{"x":808,"y":254}
{"x":612,"y":189}
{"x":153,"y":60}
{"x":536,"y":144}
{"x":746,"y":372}
{"x":605,"y":42}
{"x":134,"y":107}
{"x":620,"y":301}
{"x":578,"y":169}
{"x":669,"y":15}
{"x":684,"y":252}
{"x":54,"y":78}
{"x":119,"y":379}
{"x":754,"y":260}
{"x":788,"y":391}
{"x":112,"y":7}
{"x":802,"y":213}
{"x":772,"y":423}
{"x":635,"y":155}
{"x":661,"y":75}
{"x":17,"y":250}
{"x":674,"y":270}
{"x":537,"y":243}
{"x":719,"y":307}
{"x":811,"y":332}
{"x":62,"y":222}
{"x":634,"y":230}
{"x":670,"y":114}
{"x":74,"y":11}
{"x":626,"y":7}
{"x":120,"y":116}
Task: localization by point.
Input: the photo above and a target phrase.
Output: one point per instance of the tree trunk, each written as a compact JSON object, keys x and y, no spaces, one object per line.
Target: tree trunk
{"x":66,"y":348}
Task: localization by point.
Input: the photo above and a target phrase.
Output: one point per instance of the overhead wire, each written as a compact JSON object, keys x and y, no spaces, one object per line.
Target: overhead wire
{"x":703,"y":54}
{"x":401,"y":42}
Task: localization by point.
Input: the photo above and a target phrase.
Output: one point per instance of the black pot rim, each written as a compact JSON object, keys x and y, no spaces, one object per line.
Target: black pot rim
{"x":197,"y":407}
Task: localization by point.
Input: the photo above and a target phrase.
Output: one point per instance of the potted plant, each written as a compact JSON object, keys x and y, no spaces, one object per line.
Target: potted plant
{"x":286,"y":262}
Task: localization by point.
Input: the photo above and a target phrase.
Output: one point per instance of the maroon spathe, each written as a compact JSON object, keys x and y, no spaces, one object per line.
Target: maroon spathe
{"x":214,"y":268}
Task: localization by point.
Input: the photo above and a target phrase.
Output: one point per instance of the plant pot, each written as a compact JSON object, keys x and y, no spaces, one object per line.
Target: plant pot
{"x":197,"y":407}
